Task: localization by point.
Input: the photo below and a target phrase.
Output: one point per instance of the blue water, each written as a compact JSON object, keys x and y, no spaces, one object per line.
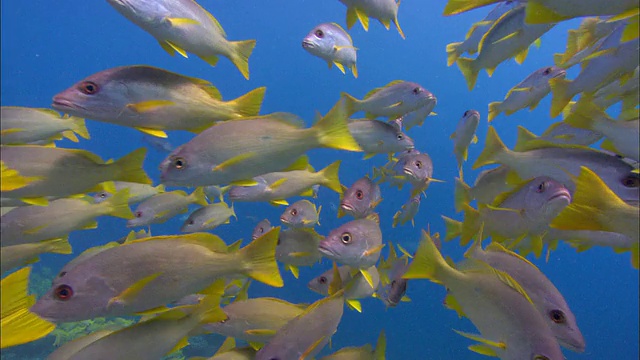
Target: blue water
{"x":47,"y":46}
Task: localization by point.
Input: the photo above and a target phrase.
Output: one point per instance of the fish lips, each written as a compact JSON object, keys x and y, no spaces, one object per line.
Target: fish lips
{"x":62,"y":104}
{"x":326,"y":250}
{"x":561,"y":194}
{"x":308,"y":44}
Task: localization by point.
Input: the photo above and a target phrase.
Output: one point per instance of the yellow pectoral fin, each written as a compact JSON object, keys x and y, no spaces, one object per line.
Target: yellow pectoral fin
{"x":276,"y":184}
{"x":234,"y":161}
{"x":494,"y":344}
{"x":279,"y":202}
{"x":294,"y":270}
{"x":153,"y":132}
{"x":11,"y":131}
{"x":34,"y":230}
{"x":260,"y":332}
{"x":132,"y":291}
{"x":249,"y":182}
{"x":149,"y":105}
{"x":367,"y":276}
{"x":513,"y":34}
{"x":299,"y":254}
{"x":178,"y":22}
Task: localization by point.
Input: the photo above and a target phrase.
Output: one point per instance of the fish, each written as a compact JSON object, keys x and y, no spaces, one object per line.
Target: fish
{"x":18,"y":324}
{"x":509,"y":36}
{"x":509,"y":323}
{"x":360,"y":198}
{"x":464,"y":135}
{"x":377,"y":137}
{"x":393,"y":100}
{"x":161,"y":145}
{"x":417,"y":117}
{"x":65,"y":172}
{"x":489,"y":184}
{"x":613,"y":60}
{"x":91,"y":286}
{"x":477,"y":31}
{"x":262,"y":227}
{"x":155,"y":337}
{"x":527,"y":93}
{"x":298,"y":247}
{"x":152,"y":100}
{"x":356,"y":243}
{"x":161,"y":207}
{"x":414,"y":169}
{"x":617,"y":91}
{"x":137,"y":192}
{"x":302,"y":213}
{"x":558,"y":162}
{"x":306,"y":335}
{"x":622,"y":136}
{"x":560,"y":133}
{"x":183,"y":26}
{"x":393,"y":286}
{"x":208,"y":217}
{"x":12,"y":180}
{"x":407,"y":212}
{"x":22,"y":254}
{"x":362,"y":352}
{"x":278,"y":186}
{"x":355,"y":286}
{"x":31,"y":224}
{"x":240,"y":150}
{"x":255,"y":320}
{"x":23,"y":125}
{"x":214,"y":191}
{"x":544,"y":295}
{"x":385,"y":11}
{"x":588,"y":35}
{"x":330,"y":42}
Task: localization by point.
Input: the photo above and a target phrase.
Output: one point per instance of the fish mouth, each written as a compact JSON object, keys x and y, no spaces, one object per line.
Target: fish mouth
{"x":64,"y":104}
{"x":325,"y":250}
{"x":561,"y":73}
{"x":347,"y":207}
{"x":564,"y":193}
{"x":284,"y":220}
{"x":571,"y":345}
{"x":307,"y":44}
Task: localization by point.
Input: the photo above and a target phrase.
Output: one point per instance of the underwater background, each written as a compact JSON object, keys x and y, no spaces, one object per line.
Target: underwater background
{"x":47,"y":46}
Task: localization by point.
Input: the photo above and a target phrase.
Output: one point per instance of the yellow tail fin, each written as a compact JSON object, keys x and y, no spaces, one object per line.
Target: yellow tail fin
{"x":259,"y":258}
{"x":469,"y":71}
{"x":198,"y":196}
{"x":332,"y":130}
{"x":428,"y":263}
{"x":240,"y":55}
{"x":330,"y":175}
{"x":79,"y":127}
{"x":494,"y":110}
{"x":59,"y":246}
{"x":118,"y":205}
{"x":250,"y":103}
{"x":492,"y":149}
{"x":452,"y":53}
{"x":130,"y":167}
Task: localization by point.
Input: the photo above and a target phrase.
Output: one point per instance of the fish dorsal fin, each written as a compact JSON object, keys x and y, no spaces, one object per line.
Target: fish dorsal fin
{"x":497,"y":247}
{"x":212,"y":91}
{"x":344,"y":31}
{"x":87,"y":154}
{"x":210,"y":241}
{"x":288,"y":118}
{"x":381,"y":347}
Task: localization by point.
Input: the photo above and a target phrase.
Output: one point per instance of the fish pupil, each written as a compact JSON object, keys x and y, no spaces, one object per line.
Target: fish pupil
{"x":320,"y":34}
{"x":557,"y":316}
{"x":631,"y":182}
{"x":191,"y":222}
{"x":400,"y":137}
{"x":89,"y":88}
{"x":466,"y":113}
{"x":419,"y":164}
{"x":346,"y":238}
{"x":178,"y":163}
{"x":138,"y":214}
{"x":541,"y":187}
{"x":547,"y":71}
{"x":322,"y":280}
{"x":294,"y":212}
{"x":359,"y":195}
{"x":417,"y":90}
{"x":64,"y":292}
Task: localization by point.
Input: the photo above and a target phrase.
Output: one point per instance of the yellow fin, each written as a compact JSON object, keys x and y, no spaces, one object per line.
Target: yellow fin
{"x":260,"y":332}
{"x":133,"y":290}
{"x":537,"y":13}
{"x":234,"y":161}
{"x":363,"y":18}
{"x":354,"y":304}
{"x":339,"y":66}
{"x":279,"y":202}
{"x":149,"y":105}
{"x":175,"y":48}
{"x":177,"y":22}
{"x":294,"y":270}
{"x":494,"y":344}
{"x":276,"y":184}
{"x":153,"y":132}
{"x":250,"y":182}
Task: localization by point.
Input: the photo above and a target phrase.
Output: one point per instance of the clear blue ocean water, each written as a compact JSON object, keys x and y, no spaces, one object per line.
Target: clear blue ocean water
{"x":47,"y":46}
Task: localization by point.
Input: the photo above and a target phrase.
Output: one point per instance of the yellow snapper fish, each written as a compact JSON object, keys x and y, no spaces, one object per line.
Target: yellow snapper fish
{"x":622,"y":136}
{"x":307,"y":334}
{"x":544,"y":295}
{"x":65,"y":172}
{"x":17,"y":323}
{"x":19,"y":255}
{"x":385,"y":11}
{"x":407,"y":212}
{"x":557,"y":133}
{"x":302,"y":213}
{"x":152,"y":100}
{"x":360,"y":198}
{"x":298,"y":247}
{"x":527,"y":93}
{"x":261,"y":228}
{"x":12,"y":180}
{"x":148,"y":339}
{"x":364,"y":352}
{"x":135,"y":276}
{"x":137,"y":192}
{"x":560,"y":162}
{"x":377,"y":137}
{"x":464,"y":135}
{"x":393,"y":100}
{"x":208,"y":217}
{"x":510,"y":325}
{"x":255,"y":320}
{"x":393,"y":287}
{"x":477,"y":31}
{"x":22,"y":125}
{"x":613,"y":60}
{"x":30,"y":224}
{"x":508,"y":37}
{"x":590,"y":31}
{"x":617,"y":91}
{"x":353,"y":282}
{"x":330,"y":42}
{"x":183,"y":26}
{"x":161,"y":207}
{"x":240,"y":150}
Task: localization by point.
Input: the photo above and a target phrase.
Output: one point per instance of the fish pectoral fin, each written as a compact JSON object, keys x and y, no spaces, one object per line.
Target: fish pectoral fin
{"x":260,"y":332}
{"x":276,"y":184}
{"x":298,"y":254}
{"x":311,"y":348}
{"x":234,"y":161}
{"x":34,"y":230}
{"x":132,"y":291}
{"x":279,"y":202}
{"x":179,"y":22}
{"x":512,"y":35}
{"x":367,"y":276}
{"x":498,"y":208}
{"x":248,"y":182}
{"x":399,"y":103}
{"x":176,"y":48}
{"x":153,"y":311}
{"x":339,"y":66}
{"x":11,"y":131}
{"x":483,"y":349}
{"x":149,"y":105}
{"x":480,"y":339}
{"x":354,"y":304}
{"x":153,"y":132}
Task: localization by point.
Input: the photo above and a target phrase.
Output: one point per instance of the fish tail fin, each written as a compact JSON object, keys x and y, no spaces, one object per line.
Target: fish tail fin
{"x":259,"y":258}
{"x":381,"y":347}
{"x":561,"y":98}
{"x":461,"y":195}
{"x":494,"y":110}
{"x":584,"y":114}
{"x":330,"y":177}
{"x":59,"y":246}
{"x":427,"y":262}
{"x":79,"y":127}
{"x":208,"y":310}
{"x":635,"y":255}
{"x":118,"y":205}
{"x":18,"y":324}
{"x":470,"y":225}
{"x":492,"y":149}
{"x":240,"y":55}
{"x":469,"y":71}
{"x":130,"y":167}
{"x":198,"y":196}
{"x":250,"y":103}
{"x":332,"y":130}
{"x":453,"y":228}
{"x":452,"y":52}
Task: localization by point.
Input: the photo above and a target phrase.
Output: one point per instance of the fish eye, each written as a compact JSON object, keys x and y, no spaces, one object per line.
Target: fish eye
{"x":179,"y":163}
{"x":319,"y":33}
{"x":261,"y":230}
{"x":466,"y":113}
{"x":63,"y":292}
{"x":400,"y":137}
{"x":103,"y":195}
{"x":138,"y":214}
{"x":557,"y":316}
{"x":359,"y":195}
{"x":191,"y":222}
{"x":88,"y":87}
{"x":547,"y":71}
{"x":631,"y":181}
{"x":419,"y":164}
{"x":293,"y":212}
{"x":322,"y":279}
{"x":417,"y":90}
{"x":346,"y":238}
{"x":541,"y":187}
{"x":223,"y":320}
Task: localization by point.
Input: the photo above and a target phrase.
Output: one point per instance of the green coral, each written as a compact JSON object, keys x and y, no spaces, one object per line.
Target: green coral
{"x":68,"y":331}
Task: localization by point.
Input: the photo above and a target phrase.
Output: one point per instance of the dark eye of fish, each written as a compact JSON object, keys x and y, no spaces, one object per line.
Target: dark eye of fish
{"x":541,"y":187}
{"x":631,"y":181}
{"x":547,"y":71}
{"x":88,"y":87}
{"x":419,"y":164}
{"x":400,"y":137}
{"x":322,"y":280}
{"x":293,"y":212}
{"x":557,"y":316}
{"x":417,"y":90}
{"x":346,"y":238}
{"x":63,"y":292}
{"x":319,"y":33}
{"x":138,"y":214}
{"x":260,"y":230}
{"x":466,"y":113}
{"x":179,"y":163}
{"x":191,"y":222}
{"x":103,"y":195}
{"x":359,"y":195}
